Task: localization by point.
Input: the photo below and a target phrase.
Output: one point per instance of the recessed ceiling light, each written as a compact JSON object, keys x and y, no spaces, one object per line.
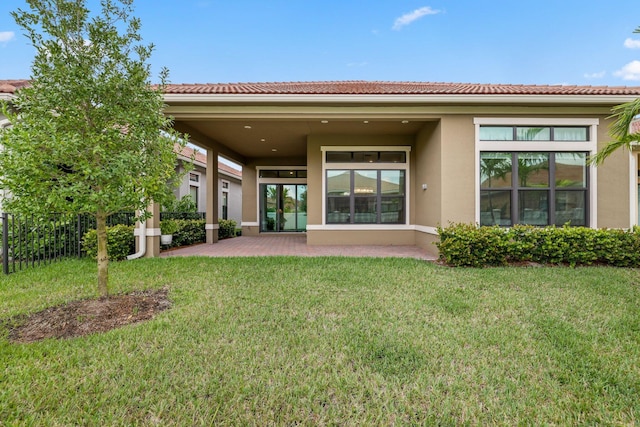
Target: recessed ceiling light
{"x":274,"y":149}
{"x":262,"y":140}
{"x":324,"y":121}
{"x":247,"y":127}
{"x":365,"y":122}
{"x":404,"y":122}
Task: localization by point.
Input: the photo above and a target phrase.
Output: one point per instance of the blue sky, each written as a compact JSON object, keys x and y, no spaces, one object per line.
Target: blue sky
{"x":501,"y":41}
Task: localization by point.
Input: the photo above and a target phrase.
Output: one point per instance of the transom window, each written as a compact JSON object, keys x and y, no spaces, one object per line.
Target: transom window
{"x":534,"y":133}
{"x":288,"y":173}
{"x":366,"y":157}
{"x":535,"y":188}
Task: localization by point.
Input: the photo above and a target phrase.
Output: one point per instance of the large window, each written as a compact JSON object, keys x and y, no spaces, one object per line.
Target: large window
{"x":536,"y":188}
{"x":369,"y":196}
{"x":365,"y":185}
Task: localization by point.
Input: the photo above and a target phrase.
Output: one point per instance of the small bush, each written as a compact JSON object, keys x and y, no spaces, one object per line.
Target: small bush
{"x":120,"y":242}
{"x":189,"y":232}
{"x":469,"y":245}
{"x":227,"y":228}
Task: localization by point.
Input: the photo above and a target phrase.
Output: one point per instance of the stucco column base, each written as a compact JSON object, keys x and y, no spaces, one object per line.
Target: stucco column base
{"x":153,"y":232}
{"x":211,"y":233}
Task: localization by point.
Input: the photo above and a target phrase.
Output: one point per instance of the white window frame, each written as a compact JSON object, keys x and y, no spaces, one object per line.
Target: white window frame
{"x":590,"y":146}
{"x":406,"y":166}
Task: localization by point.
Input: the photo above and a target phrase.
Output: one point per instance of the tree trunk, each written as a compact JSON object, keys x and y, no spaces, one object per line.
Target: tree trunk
{"x":103,"y":257}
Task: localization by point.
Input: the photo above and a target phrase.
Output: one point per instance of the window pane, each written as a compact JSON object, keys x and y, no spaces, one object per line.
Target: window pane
{"x":393,"y":157}
{"x":495,"y":207}
{"x":533,"y":207}
{"x":339,"y":156}
{"x":268,"y":174}
{"x":392,"y":210}
{"x":338,"y":183}
{"x":193,"y":192}
{"x":392,"y":182}
{"x":495,"y":170}
{"x":570,"y":134}
{"x":571,"y":170}
{"x":496,"y":133}
{"x":338,"y":210}
{"x":570,"y":207}
{"x":366,"y":182}
{"x":365,"y":210}
{"x":533,"y":134}
{"x":533,"y":169}
{"x":365,"y":156}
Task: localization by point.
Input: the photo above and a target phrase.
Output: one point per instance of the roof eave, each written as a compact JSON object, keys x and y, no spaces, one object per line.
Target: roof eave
{"x":399,"y":99}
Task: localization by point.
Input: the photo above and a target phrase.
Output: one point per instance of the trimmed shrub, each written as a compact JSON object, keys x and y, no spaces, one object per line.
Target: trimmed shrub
{"x":469,"y":245}
{"x":227,"y":228}
{"x":120,"y":242}
{"x":189,"y":232}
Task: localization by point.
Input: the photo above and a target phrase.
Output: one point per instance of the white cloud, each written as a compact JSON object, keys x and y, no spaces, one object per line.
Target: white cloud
{"x":408,"y":18}
{"x":598,"y":75}
{"x":631,"y":71}
{"x":6,"y":36}
{"x":632,"y":43}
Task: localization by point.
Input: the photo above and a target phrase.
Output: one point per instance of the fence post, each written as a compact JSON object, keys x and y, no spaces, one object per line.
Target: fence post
{"x":5,"y":243}
{"x":79,"y":234}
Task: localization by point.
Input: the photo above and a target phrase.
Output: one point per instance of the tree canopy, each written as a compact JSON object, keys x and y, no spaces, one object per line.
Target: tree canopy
{"x":88,"y":134}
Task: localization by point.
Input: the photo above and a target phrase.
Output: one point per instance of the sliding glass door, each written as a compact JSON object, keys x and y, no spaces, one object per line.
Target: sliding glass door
{"x":283,"y":207}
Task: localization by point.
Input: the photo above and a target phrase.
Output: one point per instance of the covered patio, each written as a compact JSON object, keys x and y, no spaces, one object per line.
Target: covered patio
{"x":294,"y":245}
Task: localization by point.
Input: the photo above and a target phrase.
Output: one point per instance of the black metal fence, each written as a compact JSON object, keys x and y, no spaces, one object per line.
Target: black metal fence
{"x":29,"y":242}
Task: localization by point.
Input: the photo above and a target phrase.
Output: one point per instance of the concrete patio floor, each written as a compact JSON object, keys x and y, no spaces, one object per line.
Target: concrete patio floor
{"x":292,"y":245}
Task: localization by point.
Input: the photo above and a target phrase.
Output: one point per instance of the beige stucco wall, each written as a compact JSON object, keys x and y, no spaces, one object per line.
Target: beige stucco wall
{"x":614,"y":204}
{"x":458,"y":169}
{"x":427,"y":169}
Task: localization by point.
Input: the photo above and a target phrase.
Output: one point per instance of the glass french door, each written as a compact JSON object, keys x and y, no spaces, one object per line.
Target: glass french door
{"x":283,"y":207}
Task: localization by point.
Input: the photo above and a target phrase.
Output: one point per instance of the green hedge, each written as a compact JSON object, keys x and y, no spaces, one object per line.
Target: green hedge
{"x":120,"y":242}
{"x":190,"y":231}
{"x":469,"y":245}
{"x":227,"y":228}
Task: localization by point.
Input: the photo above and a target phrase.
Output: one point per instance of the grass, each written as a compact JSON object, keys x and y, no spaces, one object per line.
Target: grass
{"x":332,"y":341}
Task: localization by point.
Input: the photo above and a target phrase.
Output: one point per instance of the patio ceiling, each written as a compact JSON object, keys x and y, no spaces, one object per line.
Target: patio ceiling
{"x":271,"y":138}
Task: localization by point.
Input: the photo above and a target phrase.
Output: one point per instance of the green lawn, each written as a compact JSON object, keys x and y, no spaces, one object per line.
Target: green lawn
{"x":332,"y":341}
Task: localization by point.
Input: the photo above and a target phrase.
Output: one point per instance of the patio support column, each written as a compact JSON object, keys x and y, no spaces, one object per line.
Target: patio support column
{"x":211,"y":227}
{"x":153,"y":232}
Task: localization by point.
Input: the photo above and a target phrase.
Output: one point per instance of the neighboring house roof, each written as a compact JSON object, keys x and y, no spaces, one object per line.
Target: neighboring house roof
{"x":393,"y":88}
{"x":10,"y":86}
{"x":635,"y":126}
{"x":201,"y":158}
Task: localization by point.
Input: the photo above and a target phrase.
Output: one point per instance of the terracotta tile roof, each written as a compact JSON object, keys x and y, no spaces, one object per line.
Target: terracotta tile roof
{"x":394,"y":88}
{"x":229,"y":170}
{"x":361,"y":87}
{"x":202,"y":158}
{"x":635,"y":126}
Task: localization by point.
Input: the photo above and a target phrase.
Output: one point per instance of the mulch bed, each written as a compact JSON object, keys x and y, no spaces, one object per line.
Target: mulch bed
{"x":84,"y":317}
